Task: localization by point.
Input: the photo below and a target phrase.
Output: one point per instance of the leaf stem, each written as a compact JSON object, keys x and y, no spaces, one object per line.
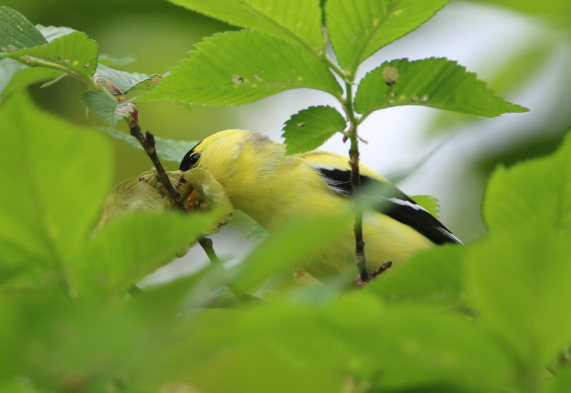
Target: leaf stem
{"x":148,"y":143}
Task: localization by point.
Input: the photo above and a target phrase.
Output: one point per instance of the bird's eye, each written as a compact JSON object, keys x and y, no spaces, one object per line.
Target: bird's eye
{"x":194,"y":159}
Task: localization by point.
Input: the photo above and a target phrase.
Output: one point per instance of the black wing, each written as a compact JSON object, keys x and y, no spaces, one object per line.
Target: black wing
{"x":392,"y":202}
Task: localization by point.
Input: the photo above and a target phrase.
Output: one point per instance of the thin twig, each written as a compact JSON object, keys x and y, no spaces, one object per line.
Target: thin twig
{"x":148,"y":143}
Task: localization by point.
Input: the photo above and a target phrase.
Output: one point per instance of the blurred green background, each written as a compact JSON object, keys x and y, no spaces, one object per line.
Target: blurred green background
{"x":531,"y":67}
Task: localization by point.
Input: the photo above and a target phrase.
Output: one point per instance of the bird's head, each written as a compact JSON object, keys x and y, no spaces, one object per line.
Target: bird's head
{"x":237,"y":159}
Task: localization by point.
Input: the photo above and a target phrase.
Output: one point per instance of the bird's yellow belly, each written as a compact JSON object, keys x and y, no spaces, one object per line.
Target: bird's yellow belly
{"x":385,"y":238}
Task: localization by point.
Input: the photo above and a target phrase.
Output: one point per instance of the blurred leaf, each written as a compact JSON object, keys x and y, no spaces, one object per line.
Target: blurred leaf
{"x":167,"y":149}
{"x":103,"y":106}
{"x":256,"y":232}
{"x":74,"y":51}
{"x":235,"y":68}
{"x":134,"y":246}
{"x":293,"y":244}
{"x":359,"y":28}
{"x":310,"y":128}
{"x":534,"y":195}
{"x":539,"y":145}
{"x":52,"y":198}
{"x":53,"y":32}
{"x":115,"y":60}
{"x":124,"y":81}
{"x":518,"y":282}
{"x":428,"y":202}
{"x":295,"y":21}
{"x":355,"y":336}
{"x":435,"y":82}
{"x":561,"y":383}
{"x":436,"y":274}
{"x":17,"y":32}
{"x":555,"y":8}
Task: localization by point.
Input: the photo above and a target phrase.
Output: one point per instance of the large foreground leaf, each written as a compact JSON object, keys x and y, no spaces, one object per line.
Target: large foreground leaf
{"x":310,"y":128}
{"x":359,"y":28}
{"x":296,"y":21}
{"x":535,"y":195}
{"x":519,"y":283}
{"x":236,"y":68}
{"x":52,"y":196}
{"x":435,"y":82}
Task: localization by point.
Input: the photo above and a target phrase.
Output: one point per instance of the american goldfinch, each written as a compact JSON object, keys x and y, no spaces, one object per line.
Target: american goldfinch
{"x":261,"y":181}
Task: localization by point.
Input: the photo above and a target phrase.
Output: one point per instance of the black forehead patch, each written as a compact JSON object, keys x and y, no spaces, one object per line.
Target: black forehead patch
{"x":392,"y":202}
{"x":185,"y":163}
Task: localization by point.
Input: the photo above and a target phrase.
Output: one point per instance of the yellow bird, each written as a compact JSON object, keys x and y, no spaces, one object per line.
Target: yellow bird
{"x":269,"y":186}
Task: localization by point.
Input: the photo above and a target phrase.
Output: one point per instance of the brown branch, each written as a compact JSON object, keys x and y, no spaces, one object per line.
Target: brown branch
{"x":148,"y":143}
{"x":360,"y":259}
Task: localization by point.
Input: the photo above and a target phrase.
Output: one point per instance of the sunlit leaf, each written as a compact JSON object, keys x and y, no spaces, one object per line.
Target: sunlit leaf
{"x":235,"y":68}
{"x":435,"y":82}
{"x":256,"y":232}
{"x":359,"y":28}
{"x":74,"y":51}
{"x":296,"y":21}
{"x":310,"y":128}
{"x":17,"y":32}
{"x":167,"y":149}
{"x":53,"y":197}
{"x":104,"y":107}
{"x":535,"y":195}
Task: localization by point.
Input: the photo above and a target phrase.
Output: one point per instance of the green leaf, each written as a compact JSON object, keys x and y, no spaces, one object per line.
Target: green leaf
{"x":51,"y":198}
{"x":436,"y":274}
{"x":295,"y":21}
{"x":357,"y":336}
{"x":293,"y":244}
{"x":124,"y":81}
{"x":256,"y":232}
{"x":359,"y":28}
{"x":560,"y":383}
{"x":506,"y":79}
{"x":74,"y":51}
{"x":519,"y":283}
{"x":105,"y":108}
{"x":115,"y":60}
{"x":17,"y":32}
{"x":535,"y":195}
{"x":235,"y":68}
{"x":134,"y":246}
{"x":167,"y":149}
{"x":435,"y":82}
{"x":53,"y":32}
{"x":310,"y":128}
{"x":429,"y":202}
